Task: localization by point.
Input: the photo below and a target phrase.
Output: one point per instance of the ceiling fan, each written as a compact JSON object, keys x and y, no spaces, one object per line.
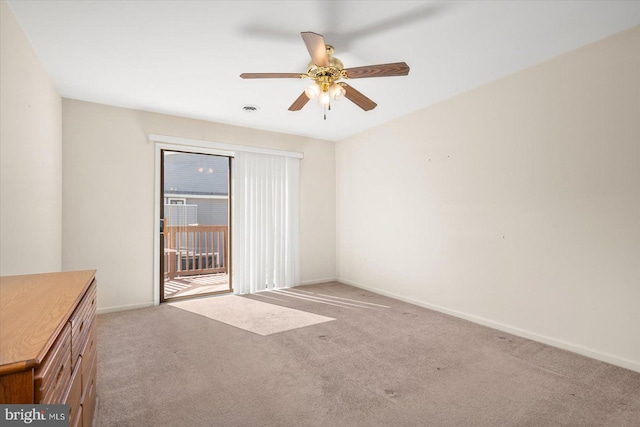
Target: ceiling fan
{"x":327,"y":71}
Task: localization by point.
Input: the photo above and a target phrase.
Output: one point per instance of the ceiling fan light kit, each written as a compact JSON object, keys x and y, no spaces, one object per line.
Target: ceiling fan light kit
{"x":327,"y":71}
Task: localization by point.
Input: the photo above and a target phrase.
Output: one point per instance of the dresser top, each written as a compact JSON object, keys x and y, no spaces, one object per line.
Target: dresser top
{"x":33,"y":310}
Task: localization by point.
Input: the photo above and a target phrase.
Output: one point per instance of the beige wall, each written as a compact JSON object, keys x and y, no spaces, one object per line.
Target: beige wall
{"x":515,"y":205}
{"x":108,"y":197}
{"x":30,"y":157}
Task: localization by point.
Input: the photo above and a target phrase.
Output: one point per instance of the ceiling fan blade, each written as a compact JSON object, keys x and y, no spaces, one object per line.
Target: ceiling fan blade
{"x":299,"y":103}
{"x":358,"y":98}
{"x":316,"y":47}
{"x":271,"y":75}
{"x":380,"y":70}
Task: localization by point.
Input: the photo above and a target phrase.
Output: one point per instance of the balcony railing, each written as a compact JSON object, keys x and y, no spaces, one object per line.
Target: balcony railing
{"x":195,"y":249}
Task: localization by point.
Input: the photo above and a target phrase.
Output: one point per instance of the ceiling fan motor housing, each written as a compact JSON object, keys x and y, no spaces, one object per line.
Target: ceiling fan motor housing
{"x":327,"y":75}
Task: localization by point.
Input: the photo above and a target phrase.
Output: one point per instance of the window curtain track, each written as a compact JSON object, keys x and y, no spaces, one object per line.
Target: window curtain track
{"x":266,"y":210}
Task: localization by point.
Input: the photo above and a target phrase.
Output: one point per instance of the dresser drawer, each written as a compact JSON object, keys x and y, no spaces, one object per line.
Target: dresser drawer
{"x":53,"y":375}
{"x":79,"y":419}
{"x":81,"y":320}
{"x":74,"y":394}
{"x":89,"y":398}
{"x":89,"y":356}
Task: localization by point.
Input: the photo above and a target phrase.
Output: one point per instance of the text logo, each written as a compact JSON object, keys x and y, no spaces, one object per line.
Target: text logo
{"x":34,"y":415}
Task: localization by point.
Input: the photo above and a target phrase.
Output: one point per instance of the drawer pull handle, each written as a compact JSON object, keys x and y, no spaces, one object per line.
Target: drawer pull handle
{"x":60,"y":373}
{"x":81,"y":326}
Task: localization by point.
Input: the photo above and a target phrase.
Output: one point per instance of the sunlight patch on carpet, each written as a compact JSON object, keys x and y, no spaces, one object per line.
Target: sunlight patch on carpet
{"x":254,"y":316}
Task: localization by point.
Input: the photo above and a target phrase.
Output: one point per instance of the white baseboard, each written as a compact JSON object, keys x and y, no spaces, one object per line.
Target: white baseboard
{"x":316,"y":281}
{"x":594,"y":354}
{"x":114,"y":308}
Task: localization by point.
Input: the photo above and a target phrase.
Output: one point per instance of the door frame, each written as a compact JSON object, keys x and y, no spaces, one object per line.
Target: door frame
{"x":190,"y":147}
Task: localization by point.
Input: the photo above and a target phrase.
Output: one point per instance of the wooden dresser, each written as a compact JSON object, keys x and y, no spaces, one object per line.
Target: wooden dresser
{"x":48,"y":341}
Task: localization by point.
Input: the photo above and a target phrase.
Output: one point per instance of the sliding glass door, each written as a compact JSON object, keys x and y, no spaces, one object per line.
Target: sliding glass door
{"x":195,"y":214}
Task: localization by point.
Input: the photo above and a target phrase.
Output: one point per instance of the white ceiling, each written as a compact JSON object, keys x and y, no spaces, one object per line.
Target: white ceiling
{"x":185,"y":57}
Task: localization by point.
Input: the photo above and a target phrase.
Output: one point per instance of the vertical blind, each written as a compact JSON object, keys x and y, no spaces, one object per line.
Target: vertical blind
{"x":266,"y":210}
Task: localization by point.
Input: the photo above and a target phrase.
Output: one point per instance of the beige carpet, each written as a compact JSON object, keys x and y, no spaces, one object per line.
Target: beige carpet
{"x":382,"y":362}
{"x":254,"y":316}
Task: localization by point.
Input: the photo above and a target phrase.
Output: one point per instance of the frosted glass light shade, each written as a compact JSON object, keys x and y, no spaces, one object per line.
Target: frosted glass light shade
{"x":324,"y":98}
{"x":337,"y":91}
{"x":312,"y":91}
